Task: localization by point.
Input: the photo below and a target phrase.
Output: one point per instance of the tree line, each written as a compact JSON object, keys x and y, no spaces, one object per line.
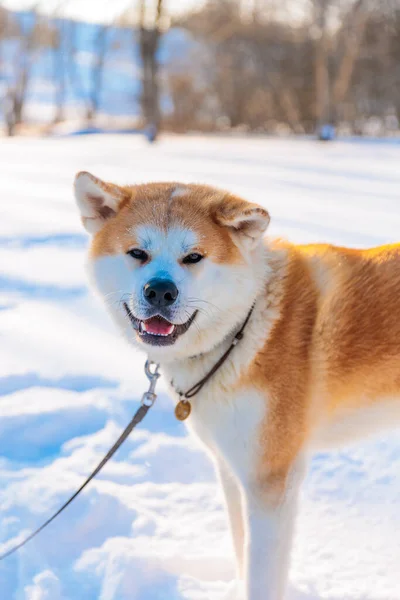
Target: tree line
{"x":28,"y":36}
{"x":260,"y":65}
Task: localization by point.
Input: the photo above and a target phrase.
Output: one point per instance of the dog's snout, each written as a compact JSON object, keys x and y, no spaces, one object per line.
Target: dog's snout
{"x":160,"y":292}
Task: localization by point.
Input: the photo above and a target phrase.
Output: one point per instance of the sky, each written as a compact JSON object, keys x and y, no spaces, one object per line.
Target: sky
{"x":108,"y":10}
{"x":95,"y":10}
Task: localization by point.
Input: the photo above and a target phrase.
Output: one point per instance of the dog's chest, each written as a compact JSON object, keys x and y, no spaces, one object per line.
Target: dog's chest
{"x":226,"y":416}
{"x":228,"y":423}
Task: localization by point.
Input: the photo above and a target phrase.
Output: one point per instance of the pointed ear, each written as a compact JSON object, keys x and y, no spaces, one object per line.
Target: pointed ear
{"x":97,"y":200}
{"x":247,"y":221}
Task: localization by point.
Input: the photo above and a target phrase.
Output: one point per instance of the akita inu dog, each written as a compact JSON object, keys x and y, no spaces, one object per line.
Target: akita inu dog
{"x":183,"y":269}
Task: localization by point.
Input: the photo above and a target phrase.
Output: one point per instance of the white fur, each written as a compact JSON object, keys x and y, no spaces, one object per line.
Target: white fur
{"x":261,"y":534}
{"x":350,"y":425}
{"x":207,"y":287}
{"x":226,"y":422}
{"x":170,"y":245}
{"x":269,"y":540}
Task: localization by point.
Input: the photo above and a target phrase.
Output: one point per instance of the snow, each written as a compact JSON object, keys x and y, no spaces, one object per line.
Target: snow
{"x":152,"y":526}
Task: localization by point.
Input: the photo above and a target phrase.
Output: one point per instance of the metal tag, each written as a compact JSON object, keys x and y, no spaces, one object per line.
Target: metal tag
{"x":183,"y":410}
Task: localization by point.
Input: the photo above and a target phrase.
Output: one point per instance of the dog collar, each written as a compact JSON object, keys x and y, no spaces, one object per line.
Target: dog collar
{"x":184,"y":407}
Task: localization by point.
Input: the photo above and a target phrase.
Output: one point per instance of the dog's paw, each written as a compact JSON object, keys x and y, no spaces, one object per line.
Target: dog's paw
{"x":234,"y":591}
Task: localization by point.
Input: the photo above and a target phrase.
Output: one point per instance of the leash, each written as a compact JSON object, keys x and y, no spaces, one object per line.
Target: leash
{"x":147,"y":401}
{"x":182,"y":411}
{"x":184,"y":407}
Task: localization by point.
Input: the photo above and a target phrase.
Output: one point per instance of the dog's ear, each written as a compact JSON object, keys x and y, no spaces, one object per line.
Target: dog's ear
{"x":97,"y":200}
{"x":246,"y":221}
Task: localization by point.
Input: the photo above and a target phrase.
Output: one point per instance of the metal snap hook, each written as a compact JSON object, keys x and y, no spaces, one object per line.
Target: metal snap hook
{"x":148,"y":399}
{"x":151,"y":370}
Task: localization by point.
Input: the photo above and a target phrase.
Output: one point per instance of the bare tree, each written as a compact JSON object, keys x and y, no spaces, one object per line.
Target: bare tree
{"x":61,"y":54}
{"x":252,"y":61}
{"x":350,"y":41}
{"x":149,"y":40}
{"x":336,"y":51}
{"x":187,"y":102}
{"x":248,"y":63}
{"x":59,"y":70}
{"x":322,"y":79}
{"x":264,"y":68}
{"x":66,"y":67}
{"x":147,"y":26}
{"x":29,"y":37}
{"x":96,"y":78}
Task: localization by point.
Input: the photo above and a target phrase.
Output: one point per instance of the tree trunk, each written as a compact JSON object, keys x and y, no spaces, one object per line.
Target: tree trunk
{"x":59,"y":75}
{"x":149,"y":43}
{"x":322,"y":83}
{"x":351,"y":49}
{"x":149,"y":39}
{"x":96,"y":83}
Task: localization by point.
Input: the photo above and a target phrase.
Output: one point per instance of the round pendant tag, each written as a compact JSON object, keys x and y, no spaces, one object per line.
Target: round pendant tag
{"x":183,"y":410}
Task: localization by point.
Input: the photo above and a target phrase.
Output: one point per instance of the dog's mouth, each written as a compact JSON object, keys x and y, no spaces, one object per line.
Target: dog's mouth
{"x":157,"y":330}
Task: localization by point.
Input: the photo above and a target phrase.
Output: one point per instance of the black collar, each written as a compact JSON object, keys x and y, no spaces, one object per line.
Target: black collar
{"x":183,"y":408}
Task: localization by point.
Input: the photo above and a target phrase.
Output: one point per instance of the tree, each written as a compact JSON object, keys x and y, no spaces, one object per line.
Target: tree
{"x":148,"y":21}
{"x":336,"y":51}
{"x":252,"y":61}
{"x":96,"y":73}
{"x":22,"y":40}
{"x":149,"y":40}
{"x":61,"y":55}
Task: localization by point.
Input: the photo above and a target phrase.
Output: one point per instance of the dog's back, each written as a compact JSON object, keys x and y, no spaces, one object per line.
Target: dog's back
{"x":356,"y":339}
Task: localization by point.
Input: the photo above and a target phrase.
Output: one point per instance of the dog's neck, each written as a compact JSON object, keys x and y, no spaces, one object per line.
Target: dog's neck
{"x":186,"y":371}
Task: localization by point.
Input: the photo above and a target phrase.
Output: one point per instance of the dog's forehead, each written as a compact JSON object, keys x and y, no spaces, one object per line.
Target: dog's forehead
{"x":175,"y":239}
{"x":166,"y":212}
{"x":167,"y":218}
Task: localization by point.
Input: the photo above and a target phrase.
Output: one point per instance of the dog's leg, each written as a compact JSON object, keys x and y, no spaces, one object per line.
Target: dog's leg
{"x":233,"y":500}
{"x":270,"y":510}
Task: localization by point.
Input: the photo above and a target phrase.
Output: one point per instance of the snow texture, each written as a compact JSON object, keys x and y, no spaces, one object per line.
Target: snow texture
{"x":152,"y":525}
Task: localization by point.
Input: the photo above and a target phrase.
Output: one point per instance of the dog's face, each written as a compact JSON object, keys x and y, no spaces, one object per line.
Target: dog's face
{"x":174,"y":263}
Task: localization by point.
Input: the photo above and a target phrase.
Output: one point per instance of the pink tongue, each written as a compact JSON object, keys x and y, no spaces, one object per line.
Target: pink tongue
{"x":158,"y":326}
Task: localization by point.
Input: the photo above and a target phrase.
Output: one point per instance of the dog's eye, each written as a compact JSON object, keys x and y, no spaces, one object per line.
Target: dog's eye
{"x":192,"y":258}
{"x":138,"y":254}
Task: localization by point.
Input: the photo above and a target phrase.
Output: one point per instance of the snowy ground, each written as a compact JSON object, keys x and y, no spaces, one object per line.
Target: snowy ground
{"x":151,"y":526}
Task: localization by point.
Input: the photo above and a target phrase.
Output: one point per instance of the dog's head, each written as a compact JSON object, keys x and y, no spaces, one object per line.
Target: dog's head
{"x":176,"y":264}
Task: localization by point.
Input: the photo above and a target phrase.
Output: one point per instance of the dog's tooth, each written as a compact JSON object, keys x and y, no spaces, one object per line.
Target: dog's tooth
{"x":143,"y":330}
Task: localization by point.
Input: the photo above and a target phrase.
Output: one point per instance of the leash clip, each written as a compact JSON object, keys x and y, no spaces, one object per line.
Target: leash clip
{"x":148,"y":399}
{"x":152,"y":374}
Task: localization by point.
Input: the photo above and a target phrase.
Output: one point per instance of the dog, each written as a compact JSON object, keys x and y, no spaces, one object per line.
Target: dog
{"x":184,"y":269}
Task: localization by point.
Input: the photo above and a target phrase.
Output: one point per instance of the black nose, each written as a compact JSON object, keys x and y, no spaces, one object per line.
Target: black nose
{"x":160,"y":292}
